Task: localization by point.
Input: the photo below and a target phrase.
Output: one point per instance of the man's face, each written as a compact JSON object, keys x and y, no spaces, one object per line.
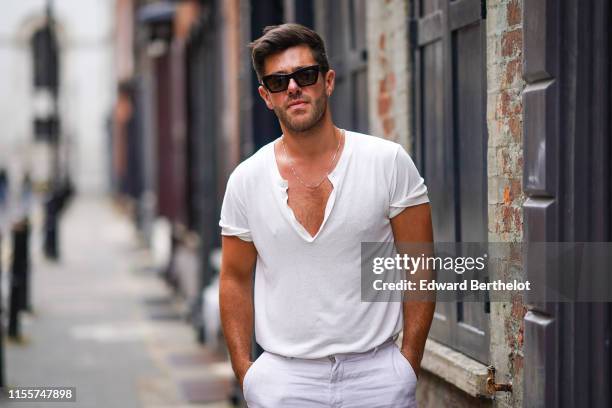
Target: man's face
{"x":298,"y":108}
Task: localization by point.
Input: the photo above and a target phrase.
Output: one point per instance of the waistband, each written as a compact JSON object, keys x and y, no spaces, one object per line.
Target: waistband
{"x":345,"y":356}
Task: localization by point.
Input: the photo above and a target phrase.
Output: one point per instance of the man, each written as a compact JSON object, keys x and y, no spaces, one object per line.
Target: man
{"x":297,"y":212}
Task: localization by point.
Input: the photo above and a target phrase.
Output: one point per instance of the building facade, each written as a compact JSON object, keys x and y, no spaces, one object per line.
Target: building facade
{"x":504,"y":106}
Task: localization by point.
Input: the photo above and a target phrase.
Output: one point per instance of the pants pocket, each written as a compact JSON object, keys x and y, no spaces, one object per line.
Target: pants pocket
{"x":248,"y":377}
{"x":403,"y":366}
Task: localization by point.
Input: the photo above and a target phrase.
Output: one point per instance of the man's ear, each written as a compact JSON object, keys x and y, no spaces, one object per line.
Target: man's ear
{"x":330,"y":81}
{"x":265,"y":95}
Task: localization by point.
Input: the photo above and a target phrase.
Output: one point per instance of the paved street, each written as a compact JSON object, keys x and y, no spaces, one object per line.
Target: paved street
{"x":105,"y":323}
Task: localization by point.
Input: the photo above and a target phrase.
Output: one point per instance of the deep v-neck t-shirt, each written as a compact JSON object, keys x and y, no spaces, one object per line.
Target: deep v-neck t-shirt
{"x":307,"y":294}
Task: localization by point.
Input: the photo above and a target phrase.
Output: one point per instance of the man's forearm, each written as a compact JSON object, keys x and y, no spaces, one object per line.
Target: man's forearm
{"x":236,"y":304}
{"x":413,"y":235}
{"x":417,"y":321}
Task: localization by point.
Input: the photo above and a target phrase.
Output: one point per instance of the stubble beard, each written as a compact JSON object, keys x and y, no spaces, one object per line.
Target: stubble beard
{"x":299,"y":125}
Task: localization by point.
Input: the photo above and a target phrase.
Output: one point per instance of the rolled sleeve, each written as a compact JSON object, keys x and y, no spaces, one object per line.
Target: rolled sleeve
{"x":234,"y":220}
{"x":407,"y":186}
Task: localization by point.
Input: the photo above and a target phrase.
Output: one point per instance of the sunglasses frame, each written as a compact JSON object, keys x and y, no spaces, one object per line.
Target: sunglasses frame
{"x":290,"y":76}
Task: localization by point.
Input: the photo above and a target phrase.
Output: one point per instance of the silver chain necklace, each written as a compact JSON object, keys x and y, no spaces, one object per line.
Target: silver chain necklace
{"x":316,"y":185}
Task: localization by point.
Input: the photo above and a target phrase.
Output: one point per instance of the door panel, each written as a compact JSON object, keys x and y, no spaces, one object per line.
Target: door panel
{"x":449,"y":111}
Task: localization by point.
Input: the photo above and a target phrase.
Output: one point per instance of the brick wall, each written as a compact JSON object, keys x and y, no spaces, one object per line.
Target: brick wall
{"x":388,"y":75}
{"x":505,"y":171}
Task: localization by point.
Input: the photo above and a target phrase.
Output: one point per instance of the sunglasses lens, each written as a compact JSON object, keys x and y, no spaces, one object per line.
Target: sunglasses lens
{"x":280,"y":82}
{"x":307,"y":77}
{"x":276,"y":83}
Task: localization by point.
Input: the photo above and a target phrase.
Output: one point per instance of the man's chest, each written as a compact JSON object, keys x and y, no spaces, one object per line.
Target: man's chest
{"x":309,"y":204}
{"x":286,"y":216}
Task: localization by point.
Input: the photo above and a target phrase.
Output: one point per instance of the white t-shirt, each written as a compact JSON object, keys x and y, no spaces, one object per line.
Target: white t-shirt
{"x":308,"y":289}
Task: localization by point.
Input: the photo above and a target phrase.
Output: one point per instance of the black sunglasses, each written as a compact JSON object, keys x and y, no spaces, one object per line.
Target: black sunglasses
{"x":280,"y":82}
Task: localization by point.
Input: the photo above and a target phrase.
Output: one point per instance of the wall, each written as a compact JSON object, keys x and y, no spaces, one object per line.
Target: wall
{"x":505,"y":172}
{"x":388,"y":75}
{"x":85,"y":40}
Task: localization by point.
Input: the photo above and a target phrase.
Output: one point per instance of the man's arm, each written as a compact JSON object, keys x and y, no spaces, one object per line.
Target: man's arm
{"x":413,"y":225}
{"x":236,"y":300}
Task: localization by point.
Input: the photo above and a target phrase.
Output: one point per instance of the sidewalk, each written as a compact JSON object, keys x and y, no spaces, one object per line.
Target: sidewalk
{"x":105,"y":323}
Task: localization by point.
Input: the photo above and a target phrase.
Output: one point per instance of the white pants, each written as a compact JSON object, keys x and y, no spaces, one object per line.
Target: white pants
{"x":380,"y":378}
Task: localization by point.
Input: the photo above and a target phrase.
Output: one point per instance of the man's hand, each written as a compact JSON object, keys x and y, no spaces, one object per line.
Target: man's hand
{"x":241,"y":369}
{"x":236,"y":300}
{"x":414,"y":360}
{"x":413,"y":225}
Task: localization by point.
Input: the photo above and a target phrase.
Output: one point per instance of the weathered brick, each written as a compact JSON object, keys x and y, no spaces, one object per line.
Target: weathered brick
{"x":516,"y":188}
{"x":505,"y":167}
{"x":507,"y":195}
{"x":514,"y":124}
{"x":512,"y":72}
{"x":519,"y":165}
{"x":388,"y":126}
{"x":505,"y":104}
{"x":388,"y":76}
{"x":512,"y":42}
{"x":390,"y":79}
{"x":513,"y":12}
{"x":518,"y":360}
{"x":384,"y":103}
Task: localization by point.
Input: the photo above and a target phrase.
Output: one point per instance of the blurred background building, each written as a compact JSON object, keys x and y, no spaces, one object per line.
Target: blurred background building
{"x":503,"y":104}
{"x":73,"y":52}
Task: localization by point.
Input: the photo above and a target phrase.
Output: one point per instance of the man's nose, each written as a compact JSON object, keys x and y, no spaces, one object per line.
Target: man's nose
{"x":293,"y":86}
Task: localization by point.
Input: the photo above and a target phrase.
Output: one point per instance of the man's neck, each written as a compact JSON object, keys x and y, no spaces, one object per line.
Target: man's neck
{"x":314,"y":142}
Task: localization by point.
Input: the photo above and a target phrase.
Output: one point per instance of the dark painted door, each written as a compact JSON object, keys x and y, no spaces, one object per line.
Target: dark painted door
{"x":449,"y":128}
{"x":566,"y":141}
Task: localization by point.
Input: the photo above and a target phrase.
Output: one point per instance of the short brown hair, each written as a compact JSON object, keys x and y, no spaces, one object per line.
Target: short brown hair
{"x":278,"y":38}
